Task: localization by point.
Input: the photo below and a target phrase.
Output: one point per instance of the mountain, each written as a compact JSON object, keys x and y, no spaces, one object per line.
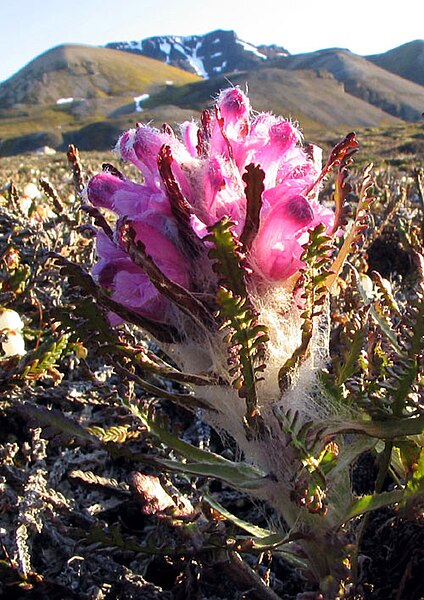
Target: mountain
{"x":222,"y":52}
{"x":87,"y":95}
{"x":406,"y":60}
{"x":206,"y":55}
{"x":364,"y":79}
{"x":315,"y":99}
{"x":84,"y":72}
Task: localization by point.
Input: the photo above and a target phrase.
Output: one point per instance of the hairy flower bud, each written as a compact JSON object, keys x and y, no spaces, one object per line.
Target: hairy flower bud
{"x":192,"y":183}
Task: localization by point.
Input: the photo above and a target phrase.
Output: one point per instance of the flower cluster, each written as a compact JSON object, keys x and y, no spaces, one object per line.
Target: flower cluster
{"x":189,"y":184}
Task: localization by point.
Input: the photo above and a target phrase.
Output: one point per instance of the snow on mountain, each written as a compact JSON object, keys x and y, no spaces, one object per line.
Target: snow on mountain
{"x":206,"y":55}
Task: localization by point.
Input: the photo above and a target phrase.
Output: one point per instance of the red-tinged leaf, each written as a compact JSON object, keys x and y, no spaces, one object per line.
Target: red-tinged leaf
{"x":108,"y":168}
{"x":150,"y":494}
{"x":220,"y":121}
{"x":355,"y":236}
{"x":341,"y":192}
{"x":167,"y":129}
{"x":342,"y":152}
{"x":204,"y":134}
{"x":74,"y":161}
{"x":99,"y":219}
{"x":179,"y":295}
{"x":180,"y":207}
{"x":254,"y":179}
{"x":340,"y":155}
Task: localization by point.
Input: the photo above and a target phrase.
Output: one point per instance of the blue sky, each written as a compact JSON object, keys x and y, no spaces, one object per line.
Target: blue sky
{"x":363,"y":26}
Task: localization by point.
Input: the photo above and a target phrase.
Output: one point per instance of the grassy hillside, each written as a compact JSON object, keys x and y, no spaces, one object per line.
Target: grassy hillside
{"x":85,"y":72}
{"x":316,"y":100}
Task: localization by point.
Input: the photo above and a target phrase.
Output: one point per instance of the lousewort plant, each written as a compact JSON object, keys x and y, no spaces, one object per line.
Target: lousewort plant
{"x":223,"y":253}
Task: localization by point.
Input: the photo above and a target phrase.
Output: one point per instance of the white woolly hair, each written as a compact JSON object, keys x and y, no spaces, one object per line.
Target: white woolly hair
{"x":203,"y":352}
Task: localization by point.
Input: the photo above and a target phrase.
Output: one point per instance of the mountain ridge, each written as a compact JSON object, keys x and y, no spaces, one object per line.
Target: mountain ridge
{"x":406,"y":60}
{"x":207,"y":55}
{"x":87,"y":94}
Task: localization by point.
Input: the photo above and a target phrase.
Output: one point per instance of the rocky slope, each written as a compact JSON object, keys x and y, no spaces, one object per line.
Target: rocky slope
{"x":207,"y":55}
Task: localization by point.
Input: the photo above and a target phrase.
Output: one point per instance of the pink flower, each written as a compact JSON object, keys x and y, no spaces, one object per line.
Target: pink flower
{"x":289,"y":207}
{"x":128,"y":283}
{"x":141,"y":146}
{"x":278,"y":246}
{"x":126,"y":198}
{"x":188,"y":185}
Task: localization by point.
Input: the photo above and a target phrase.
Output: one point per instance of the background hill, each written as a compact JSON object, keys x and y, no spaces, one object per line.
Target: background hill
{"x":86,"y":72}
{"x":364,"y":79}
{"x":87,"y":95}
{"x":315,"y":99}
{"x":406,"y":60}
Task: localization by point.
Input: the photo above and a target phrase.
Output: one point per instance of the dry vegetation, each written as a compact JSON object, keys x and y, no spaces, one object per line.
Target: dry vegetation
{"x":72,"y":522}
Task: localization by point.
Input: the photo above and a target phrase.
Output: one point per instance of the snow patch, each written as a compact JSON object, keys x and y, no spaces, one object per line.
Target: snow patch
{"x":165,"y":47}
{"x":138,"y":100}
{"x":197,"y":63}
{"x":136,"y":45}
{"x":220,"y":68}
{"x":250,"y":48}
{"x":64,"y":100}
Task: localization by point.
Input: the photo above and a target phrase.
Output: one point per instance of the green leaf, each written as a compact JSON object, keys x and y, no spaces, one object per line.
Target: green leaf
{"x":238,"y":475}
{"x":44,"y":359}
{"x":263,"y":539}
{"x":254,"y":530}
{"x":388,"y":429}
{"x":246,"y":338}
{"x":201,"y":462}
{"x":316,"y":256}
{"x":55,"y":423}
{"x":227,"y":256}
{"x":415,"y":486}
{"x":356,"y":335}
{"x":371,"y":502}
{"x":379,"y":318}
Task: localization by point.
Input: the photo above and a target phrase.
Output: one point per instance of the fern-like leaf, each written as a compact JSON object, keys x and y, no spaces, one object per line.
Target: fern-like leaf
{"x":254,"y":180}
{"x":246,"y":337}
{"x":316,"y":257}
{"x":90,"y":478}
{"x":355,"y":236}
{"x":352,"y":340}
{"x":44,"y":360}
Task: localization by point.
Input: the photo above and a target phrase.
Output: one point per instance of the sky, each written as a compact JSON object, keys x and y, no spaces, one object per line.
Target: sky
{"x":30,"y":27}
